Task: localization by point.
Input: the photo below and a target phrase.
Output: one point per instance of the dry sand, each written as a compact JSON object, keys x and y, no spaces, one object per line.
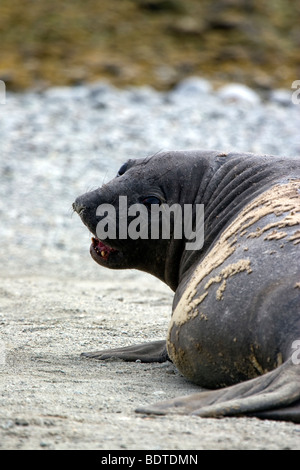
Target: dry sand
{"x":51,"y":398}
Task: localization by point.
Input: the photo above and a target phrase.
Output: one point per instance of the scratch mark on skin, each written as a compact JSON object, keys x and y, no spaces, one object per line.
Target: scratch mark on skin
{"x":279,"y":359}
{"x":219,"y":294}
{"x":204,"y":317}
{"x":255,"y":362}
{"x":278,"y":200}
{"x":255,"y":234}
{"x":231,"y":270}
{"x":295,"y":237}
{"x":292,"y":219}
{"x":274,"y":235}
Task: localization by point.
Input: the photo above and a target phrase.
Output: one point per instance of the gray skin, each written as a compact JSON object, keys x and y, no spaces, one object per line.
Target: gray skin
{"x":235,"y":326}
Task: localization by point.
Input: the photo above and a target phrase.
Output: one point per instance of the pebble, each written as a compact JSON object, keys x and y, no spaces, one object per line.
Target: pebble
{"x":239,"y":92}
{"x":281,"y":96}
{"x":193,"y":86}
{"x":159,"y":392}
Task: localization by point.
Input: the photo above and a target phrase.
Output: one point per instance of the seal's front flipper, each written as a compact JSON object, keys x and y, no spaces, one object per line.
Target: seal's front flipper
{"x":155,"y":351}
{"x":275,"y":395}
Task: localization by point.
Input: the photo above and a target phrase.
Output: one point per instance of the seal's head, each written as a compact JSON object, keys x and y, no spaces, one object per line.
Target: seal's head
{"x":118,"y":215}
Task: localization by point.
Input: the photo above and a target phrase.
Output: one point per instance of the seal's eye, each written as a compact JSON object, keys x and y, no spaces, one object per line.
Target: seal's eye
{"x":122,"y":169}
{"x":149,"y":200}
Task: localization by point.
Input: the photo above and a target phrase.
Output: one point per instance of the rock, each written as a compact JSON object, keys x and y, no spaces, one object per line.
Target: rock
{"x":281,"y":96}
{"x":166,"y":75}
{"x":192,"y":86}
{"x":227,"y":22}
{"x":238,"y":92}
{"x":158,"y":6}
{"x":67,"y":93}
{"x":187,"y":26}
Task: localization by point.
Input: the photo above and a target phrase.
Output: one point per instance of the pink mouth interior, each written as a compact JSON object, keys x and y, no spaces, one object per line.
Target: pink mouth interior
{"x":101,"y":249}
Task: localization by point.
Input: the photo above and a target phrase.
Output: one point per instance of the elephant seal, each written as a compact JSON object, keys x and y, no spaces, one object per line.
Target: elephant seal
{"x":235,"y":326}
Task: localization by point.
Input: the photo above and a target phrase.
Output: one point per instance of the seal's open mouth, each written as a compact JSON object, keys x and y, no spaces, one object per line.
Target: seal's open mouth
{"x":101,"y":249}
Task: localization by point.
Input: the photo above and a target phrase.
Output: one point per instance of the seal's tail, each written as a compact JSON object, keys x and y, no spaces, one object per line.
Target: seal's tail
{"x":275,"y":395}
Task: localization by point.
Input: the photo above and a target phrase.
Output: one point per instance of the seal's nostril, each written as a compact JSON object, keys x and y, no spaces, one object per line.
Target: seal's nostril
{"x":78,"y":207}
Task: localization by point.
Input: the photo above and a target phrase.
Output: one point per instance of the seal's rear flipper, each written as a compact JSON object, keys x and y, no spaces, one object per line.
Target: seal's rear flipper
{"x":288,"y":413}
{"x":154,"y":351}
{"x":275,"y":395}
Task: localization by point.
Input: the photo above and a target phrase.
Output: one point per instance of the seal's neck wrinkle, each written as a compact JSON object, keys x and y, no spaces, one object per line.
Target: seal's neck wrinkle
{"x":232,"y":184}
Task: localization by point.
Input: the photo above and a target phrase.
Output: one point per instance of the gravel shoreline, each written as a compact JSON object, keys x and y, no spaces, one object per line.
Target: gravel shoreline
{"x":56,"y":302}
{"x":61,"y":142}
